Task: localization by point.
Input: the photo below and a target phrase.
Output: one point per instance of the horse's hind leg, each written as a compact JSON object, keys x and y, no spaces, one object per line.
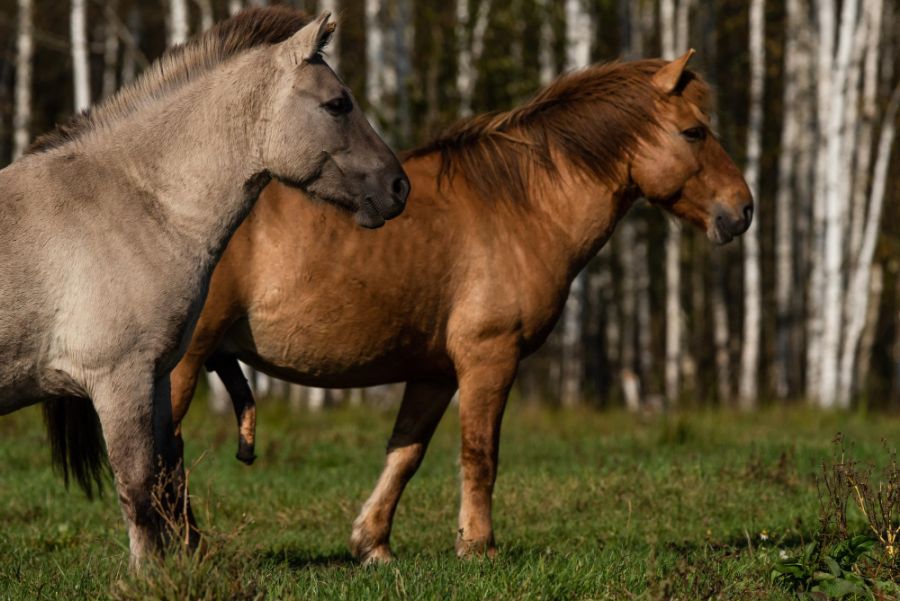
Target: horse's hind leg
{"x":424,"y":403}
{"x":229,"y":371}
{"x":136,"y":418}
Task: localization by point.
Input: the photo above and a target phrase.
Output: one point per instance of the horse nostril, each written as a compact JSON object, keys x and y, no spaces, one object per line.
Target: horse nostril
{"x":400,"y":188}
{"x":748,"y":213}
{"x":720,"y":221}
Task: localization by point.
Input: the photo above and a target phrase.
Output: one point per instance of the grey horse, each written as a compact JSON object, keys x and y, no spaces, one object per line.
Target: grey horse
{"x":108,"y":238}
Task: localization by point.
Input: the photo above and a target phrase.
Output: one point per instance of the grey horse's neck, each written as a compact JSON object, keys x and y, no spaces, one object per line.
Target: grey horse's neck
{"x":196,"y":155}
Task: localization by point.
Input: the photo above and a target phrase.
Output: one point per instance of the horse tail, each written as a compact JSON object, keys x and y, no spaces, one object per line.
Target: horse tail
{"x":76,"y":442}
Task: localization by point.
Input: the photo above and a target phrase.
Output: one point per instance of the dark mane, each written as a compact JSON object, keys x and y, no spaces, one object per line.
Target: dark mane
{"x":594,"y":117}
{"x":248,"y":29}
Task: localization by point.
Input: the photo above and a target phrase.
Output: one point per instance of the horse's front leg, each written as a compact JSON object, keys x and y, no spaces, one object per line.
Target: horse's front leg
{"x":485,"y":378}
{"x":424,"y":403}
{"x":136,"y":418}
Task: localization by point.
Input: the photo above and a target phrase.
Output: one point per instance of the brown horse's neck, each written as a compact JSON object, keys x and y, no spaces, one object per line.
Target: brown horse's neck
{"x":567,"y":217}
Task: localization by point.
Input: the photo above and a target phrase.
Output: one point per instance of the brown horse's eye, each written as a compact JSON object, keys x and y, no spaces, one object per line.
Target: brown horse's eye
{"x":340,"y":105}
{"x":694,"y":134}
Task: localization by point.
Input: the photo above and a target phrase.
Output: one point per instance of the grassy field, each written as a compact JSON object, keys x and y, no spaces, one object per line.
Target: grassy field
{"x":588,"y":505}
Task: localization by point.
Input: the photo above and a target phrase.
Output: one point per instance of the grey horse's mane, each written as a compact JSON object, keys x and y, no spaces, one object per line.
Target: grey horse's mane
{"x":179,"y":65}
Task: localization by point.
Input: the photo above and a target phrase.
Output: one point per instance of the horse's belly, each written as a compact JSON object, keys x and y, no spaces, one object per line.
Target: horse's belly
{"x":334,"y":356}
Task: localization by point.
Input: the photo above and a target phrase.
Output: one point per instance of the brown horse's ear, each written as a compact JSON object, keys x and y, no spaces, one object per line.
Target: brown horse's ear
{"x":667,"y":78}
{"x":307,"y":43}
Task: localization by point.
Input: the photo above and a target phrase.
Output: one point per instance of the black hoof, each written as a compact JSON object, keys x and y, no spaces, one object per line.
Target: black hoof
{"x":245,"y":453}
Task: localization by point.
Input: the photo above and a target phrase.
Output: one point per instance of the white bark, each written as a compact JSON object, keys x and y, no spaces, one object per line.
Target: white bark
{"x":747,"y":389}
{"x":316,"y":398}
{"x":578,"y":55}
{"x":206,"y":14}
{"x":80,"y":67}
{"x":579,"y":33}
{"x":24,"y":56}
{"x":333,"y":51}
{"x":834,"y":253}
{"x":178,"y":22}
{"x":670,"y":32}
{"x":824,"y":11}
{"x":874,"y":12}
{"x":858,"y":290}
{"x":375,"y":61}
{"x":630,"y":255}
{"x":235,"y":6}
{"x":219,"y":401}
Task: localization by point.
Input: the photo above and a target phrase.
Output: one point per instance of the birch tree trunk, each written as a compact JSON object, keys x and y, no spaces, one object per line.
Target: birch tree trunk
{"x":784,"y":205}
{"x":836,"y":169}
{"x":805,"y":200}
{"x":867,"y":341}
{"x":24,"y":56}
{"x":375,"y":63}
{"x":80,"y":67}
{"x":668,"y":28}
{"x":748,"y":390}
{"x":874,"y":12}
{"x":632,"y":248}
{"x":235,"y":6}
{"x":334,"y":46}
{"x":815,"y":318}
{"x":545,"y":49}
{"x":860,"y":280}
{"x":206,"y":14}
{"x":631,"y":383}
{"x":178,"y":22}
{"x":578,"y":55}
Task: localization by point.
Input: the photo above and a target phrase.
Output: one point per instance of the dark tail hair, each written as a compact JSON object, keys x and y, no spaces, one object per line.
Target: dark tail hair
{"x":76,"y":442}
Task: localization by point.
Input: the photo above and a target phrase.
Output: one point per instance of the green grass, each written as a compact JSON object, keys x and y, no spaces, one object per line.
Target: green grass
{"x":588,"y":505}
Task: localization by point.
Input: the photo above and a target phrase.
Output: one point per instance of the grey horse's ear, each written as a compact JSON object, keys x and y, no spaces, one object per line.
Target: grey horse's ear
{"x":307,"y":43}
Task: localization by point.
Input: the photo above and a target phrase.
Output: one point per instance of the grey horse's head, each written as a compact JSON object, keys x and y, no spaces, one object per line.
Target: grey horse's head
{"x":317,"y":138}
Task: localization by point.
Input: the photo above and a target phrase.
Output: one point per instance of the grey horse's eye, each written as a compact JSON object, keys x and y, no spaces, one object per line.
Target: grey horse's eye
{"x":341,"y":105}
{"x":694,"y":134}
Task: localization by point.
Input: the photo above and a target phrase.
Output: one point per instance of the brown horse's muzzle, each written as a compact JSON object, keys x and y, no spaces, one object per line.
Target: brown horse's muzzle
{"x":728,"y":223}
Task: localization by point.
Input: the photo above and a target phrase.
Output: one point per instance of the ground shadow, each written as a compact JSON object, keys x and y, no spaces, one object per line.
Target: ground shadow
{"x":298,"y":558}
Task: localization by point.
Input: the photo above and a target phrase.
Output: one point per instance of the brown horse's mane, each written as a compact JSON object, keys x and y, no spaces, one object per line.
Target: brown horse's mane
{"x":179,"y":65}
{"x":594,"y":117}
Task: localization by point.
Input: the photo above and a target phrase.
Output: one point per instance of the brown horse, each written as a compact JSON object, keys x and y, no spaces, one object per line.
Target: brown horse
{"x":505,"y":210}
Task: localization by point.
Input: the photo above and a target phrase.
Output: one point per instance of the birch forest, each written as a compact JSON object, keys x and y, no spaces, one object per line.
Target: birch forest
{"x":804,"y":308}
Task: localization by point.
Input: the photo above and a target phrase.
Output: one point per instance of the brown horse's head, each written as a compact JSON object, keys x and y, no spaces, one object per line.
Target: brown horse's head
{"x":683,"y":167}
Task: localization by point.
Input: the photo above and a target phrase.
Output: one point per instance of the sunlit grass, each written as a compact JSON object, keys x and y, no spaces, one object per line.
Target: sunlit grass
{"x":587,"y":505}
